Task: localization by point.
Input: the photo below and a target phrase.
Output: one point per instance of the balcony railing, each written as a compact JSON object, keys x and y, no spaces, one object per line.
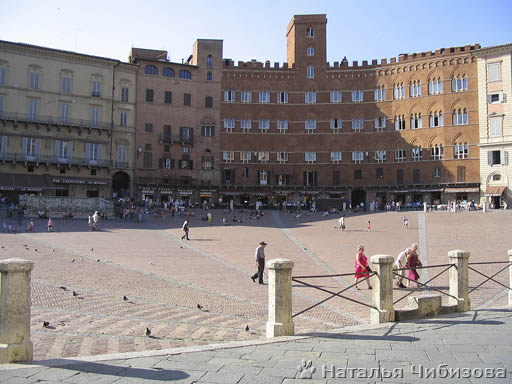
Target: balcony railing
{"x":58,"y":160}
{"x":43,"y":119}
{"x":121,"y":164}
{"x":177,"y":139}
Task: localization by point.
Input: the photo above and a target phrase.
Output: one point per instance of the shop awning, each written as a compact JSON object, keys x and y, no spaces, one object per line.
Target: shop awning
{"x":283,"y":171}
{"x":462,"y":190}
{"x":495,"y":190}
{"x":20,"y":182}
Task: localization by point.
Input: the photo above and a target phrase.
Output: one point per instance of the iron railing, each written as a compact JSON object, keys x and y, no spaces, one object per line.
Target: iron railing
{"x":48,"y":119}
{"x":58,"y":160}
{"x":508,"y":265}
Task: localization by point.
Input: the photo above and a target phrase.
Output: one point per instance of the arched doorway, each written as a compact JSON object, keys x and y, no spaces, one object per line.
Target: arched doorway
{"x":121,"y":184}
{"x":358,"y":197}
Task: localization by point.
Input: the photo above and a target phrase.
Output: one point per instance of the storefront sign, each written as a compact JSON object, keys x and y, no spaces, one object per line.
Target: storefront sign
{"x":80,"y":181}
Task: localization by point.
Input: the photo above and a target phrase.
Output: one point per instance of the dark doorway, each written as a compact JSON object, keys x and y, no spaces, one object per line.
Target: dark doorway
{"x":358,"y":197}
{"x":121,"y":184}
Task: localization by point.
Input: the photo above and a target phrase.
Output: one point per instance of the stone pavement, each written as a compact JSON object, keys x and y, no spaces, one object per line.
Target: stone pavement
{"x":165,"y":278}
{"x":474,"y":347}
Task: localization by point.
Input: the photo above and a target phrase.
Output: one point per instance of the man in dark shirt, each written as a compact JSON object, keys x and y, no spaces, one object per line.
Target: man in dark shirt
{"x":259,"y":255}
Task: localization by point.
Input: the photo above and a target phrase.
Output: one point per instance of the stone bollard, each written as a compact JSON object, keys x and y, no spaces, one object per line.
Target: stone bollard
{"x":15,"y":344}
{"x":459,"y":285}
{"x":510,"y":274}
{"x":280,"y":321}
{"x":382,"y":293}
{"x":425,"y":207}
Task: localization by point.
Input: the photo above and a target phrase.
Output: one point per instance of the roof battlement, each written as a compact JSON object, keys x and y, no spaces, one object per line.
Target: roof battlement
{"x":254,"y":64}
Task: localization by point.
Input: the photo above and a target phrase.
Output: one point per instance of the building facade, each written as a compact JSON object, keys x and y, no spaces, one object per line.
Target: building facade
{"x":495,"y":111}
{"x":178,"y":111}
{"x":67,"y":123}
{"x":399,"y":130}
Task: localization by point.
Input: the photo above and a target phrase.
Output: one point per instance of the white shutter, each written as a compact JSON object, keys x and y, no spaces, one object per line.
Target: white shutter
{"x":420,"y":122}
{"x":384,"y":122}
{"x":87,"y":151}
{"x":489,"y":158}
{"x":38,"y":148}
{"x":376,"y":122}
{"x":501,"y":97}
{"x":70,"y":150}
{"x":505,"y":157}
{"x":57,"y":150}
{"x":99,"y":151}
{"x":502,"y":157}
{"x":440,"y":87}
{"x":3,"y":144}
{"x":441,"y":119}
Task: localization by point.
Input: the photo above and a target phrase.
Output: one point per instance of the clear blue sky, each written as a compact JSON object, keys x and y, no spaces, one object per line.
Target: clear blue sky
{"x":360,"y":30}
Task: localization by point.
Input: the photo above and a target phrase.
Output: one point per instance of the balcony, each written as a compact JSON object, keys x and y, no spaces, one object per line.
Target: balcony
{"x":177,"y":139}
{"x":121,"y":164}
{"x":42,"y":119}
{"x":52,"y":159}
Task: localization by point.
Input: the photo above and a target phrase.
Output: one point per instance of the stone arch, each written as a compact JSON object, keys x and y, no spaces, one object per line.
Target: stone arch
{"x":416,"y":142}
{"x":430,"y":107}
{"x":454,"y":104}
{"x":434,"y":140}
{"x":452,"y":73}
{"x":504,"y":179}
{"x":457,"y":137}
{"x":412,"y":109}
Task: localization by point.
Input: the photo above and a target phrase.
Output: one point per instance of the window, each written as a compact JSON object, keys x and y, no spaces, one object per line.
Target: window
{"x":398,"y":91}
{"x":264,"y":96}
{"x":357,"y":125}
{"x":34,"y":80}
{"x":245,"y":156}
{"x":283,"y":180}
{"x":245,"y":172}
{"x":208,"y":130}
{"x":310,"y":32}
{"x":186,"y":75}
{"x":168,"y":97}
{"x":63,"y":150}
{"x":494,"y":71}
{"x":32,"y":109}
{"x":264,"y":125}
{"x":282,"y":126}
{"x":245,"y":125}
{"x":399,"y":123}
{"x":460,"y":151}
{"x":151,"y":70}
{"x":149,"y":95}
{"x":30,"y":148}
{"x":459,"y":83}
{"x":186,"y":134}
{"x":92,"y":152}
{"x":357,"y":96}
{"x":400,"y":176}
{"x":437,"y":172}
{"x":310,"y":51}
{"x":310,"y":179}
{"x":380,"y":123}
{"x":148,"y":160}
{"x":400,"y":155}
{"x":64,"y":113}
{"x":65,"y":83}
{"x":380,"y":156}
{"x":494,"y":177}
{"x":310,"y":157}
{"x":2,"y":76}
{"x":436,"y":119}
{"x":1,"y":106}
{"x":3,"y":146}
{"x":282,"y":157}
{"x":209,"y":61}
{"x":187,"y":99}
{"x":96,"y":88}
{"x":229,"y":95}
{"x":461,"y":174}
{"x":264,"y":157}
{"x":228,"y":156}
{"x":168,"y":72}
{"x":310,"y":97}
{"x":437,"y":152}
{"x":123,"y":117}
{"x":415,"y":176}
{"x":282,"y":97}
{"x":494,"y":98}
{"x":208,"y":102}
{"x":417,"y":154}
{"x":415,"y":88}
{"x":357,"y":156}
{"x":166,"y":163}
{"x":95,"y":116}
{"x":148,"y":127}
{"x":416,"y":121}
{"x":207,"y":163}
{"x":263,"y":177}
{"x":167,"y":148}
{"x":460,"y":117}
{"x":380,"y":173}
{"x":336,"y":125}
{"x":435,"y":86}
{"x":380,"y":93}
{"x":246,"y":96}
{"x":496,"y":126}
{"x":209,"y":76}
{"x":167,"y":133}
{"x":229,"y":125}
{"x":358,"y":174}
{"x":125,"y":94}
{"x":336,"y":177}
{"x":335,"y":97}
{"x":310,"y":126}
{"x":310,"y":72}
{"x":336,"y":157}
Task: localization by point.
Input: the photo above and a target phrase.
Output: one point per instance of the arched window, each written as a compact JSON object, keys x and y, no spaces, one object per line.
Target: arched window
{"x":209,"y":61}
{"x":437,"y":152}
{"x":459,"y":83}
{"x":435,"y":86}
{"x":310,"y":32}
{"x":168,"y":72}
{"x":151,"y":70}
{"x":415,"y":88}
{"x":398,"y":91}
{"x":416,"y":121}
{"x":496,"y":177}
{"x":460,"y":117}
{"x":208,"y":102}
{"x":460,"y":150}
{"x":399,"y":123}
{"x":185,"y":75}
{"x":209,"y":76}
{"x":436,"y":119}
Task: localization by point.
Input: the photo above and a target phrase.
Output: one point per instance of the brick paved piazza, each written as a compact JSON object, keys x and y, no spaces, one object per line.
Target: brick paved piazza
{"x":165,"y":278}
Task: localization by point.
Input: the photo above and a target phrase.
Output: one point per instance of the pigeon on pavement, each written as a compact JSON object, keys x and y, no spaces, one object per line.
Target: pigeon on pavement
{"x":46,"y":324}
{"x":247,"y":328}
{"x":125,"y":298}
{"x":200,"y":307}
{"x":63,"y":288}
{"x":75,"y":294}
{"x":148,"y":331}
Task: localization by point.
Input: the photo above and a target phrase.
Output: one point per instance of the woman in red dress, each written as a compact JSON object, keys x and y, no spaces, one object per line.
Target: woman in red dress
{"x":413,"y":262}
{"x":361,"y":266}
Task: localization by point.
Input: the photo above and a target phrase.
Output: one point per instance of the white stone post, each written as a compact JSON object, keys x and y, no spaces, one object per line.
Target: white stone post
{"x":425,"y":206}
{"x":510,"y":274}
{"x":459,"y":284}
{"x":280,"y":321}
{"x":382,"y":294}
{"x":15,"y":344}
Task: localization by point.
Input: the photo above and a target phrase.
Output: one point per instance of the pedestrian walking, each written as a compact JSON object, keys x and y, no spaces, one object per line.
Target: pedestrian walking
{"x":185,"y":228}
{"x":50,"y":224}
{"x":368,"y":226}
{"x":361,"y":266}
{"x":96,"y":221}
{"x":89,"y":221}
{"x":341,"y":223}
{"x":406,"y":222}
{"x":399,"y":267}
{"x":413,"y":262}
{"x":259,"y":255}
